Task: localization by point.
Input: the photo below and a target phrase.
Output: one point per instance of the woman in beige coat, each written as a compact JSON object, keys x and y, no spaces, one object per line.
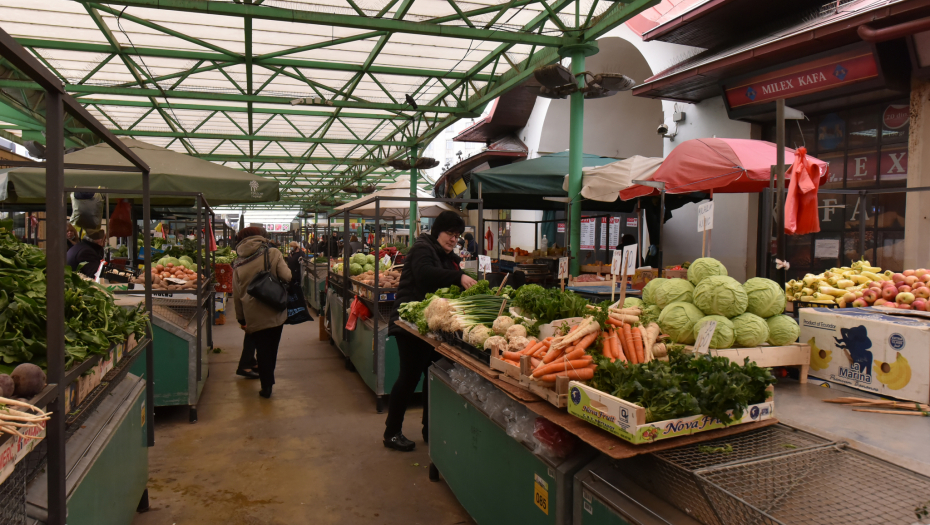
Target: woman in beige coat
{"x":262,"y":323}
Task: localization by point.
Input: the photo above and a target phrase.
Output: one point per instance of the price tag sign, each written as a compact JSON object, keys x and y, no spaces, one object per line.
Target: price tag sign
{"x":616,"y":264}
{"x":541,"y":493}
{"x":704,"y":336}
{"x":484,"y":263}
{"x":706,"y":216}
{"x":629,"y":259}
{"x":563,"y":267}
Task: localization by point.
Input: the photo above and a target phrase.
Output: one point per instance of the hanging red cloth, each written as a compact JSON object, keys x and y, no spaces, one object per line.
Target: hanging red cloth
{"x":490,"y":238}
{"x":801,"y":216}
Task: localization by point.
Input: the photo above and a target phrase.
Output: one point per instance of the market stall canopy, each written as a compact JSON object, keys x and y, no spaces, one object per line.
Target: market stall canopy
{"x":604,"y":183}
{"x":522,"y":185}
{"x":170,"y":171}
{"x":721,"y":165}
{"x":399,"y":209}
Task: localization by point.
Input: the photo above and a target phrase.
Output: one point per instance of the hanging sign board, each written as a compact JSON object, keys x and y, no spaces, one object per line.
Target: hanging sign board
{"x":484,"y":263}
{"x":614,"y":232}
{"x":561,"y":227}
{"x":587,"y":234}
{"x":706,"y":216}
{"x":631,"y":222}
{"x":604,"y":233}
{"x":563,"y":267}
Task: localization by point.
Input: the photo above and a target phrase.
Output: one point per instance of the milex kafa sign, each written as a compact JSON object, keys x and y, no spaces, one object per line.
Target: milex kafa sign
{"x":802,"y":79}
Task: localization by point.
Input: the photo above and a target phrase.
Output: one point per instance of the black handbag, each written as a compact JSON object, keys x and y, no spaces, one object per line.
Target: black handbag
{"x":268,"y":289}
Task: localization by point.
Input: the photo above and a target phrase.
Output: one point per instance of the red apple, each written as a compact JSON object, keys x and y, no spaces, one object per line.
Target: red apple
{"x":922,"y":292}
{"x":921,"y":271}
{"x":869,"y":295}
{"x":875,"y":284}
{"x":911,"y":279}
{"x":908,"y":273}
{"x":898,"y":277}
{"x":849,"y":297}
{"x":881,"y":302}
{"x":886,"y":284}
{"x":919,"y":304}
{"x":902,"y":306}
{"x":860,"y":303}
{"x":889,"y":292}
{"x":904,"y":298}
{"x":904,"y":288}
{"x":925,"y":278}
{"x":858,"y":293}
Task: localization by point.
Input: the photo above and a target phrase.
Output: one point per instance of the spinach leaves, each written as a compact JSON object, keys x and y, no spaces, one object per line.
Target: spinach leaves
{"x":548,"y":305}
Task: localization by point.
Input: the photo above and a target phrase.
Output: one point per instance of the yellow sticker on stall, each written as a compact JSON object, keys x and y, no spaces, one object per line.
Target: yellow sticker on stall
{"x":541,"y":494}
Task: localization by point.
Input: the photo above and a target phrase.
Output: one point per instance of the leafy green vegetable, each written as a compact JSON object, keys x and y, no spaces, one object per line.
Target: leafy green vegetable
{"x":686,"y":385}
{"x":549,"y":305}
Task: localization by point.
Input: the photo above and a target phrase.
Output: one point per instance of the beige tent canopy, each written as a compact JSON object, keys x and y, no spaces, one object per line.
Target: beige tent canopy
{"x":399,"y":209}
{"x":604,"y":183}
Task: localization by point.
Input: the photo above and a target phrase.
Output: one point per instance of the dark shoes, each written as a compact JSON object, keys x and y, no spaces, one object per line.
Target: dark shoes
{"x":265,"y":393}
{"x":248,"y":374}
{"x":399,"y":442}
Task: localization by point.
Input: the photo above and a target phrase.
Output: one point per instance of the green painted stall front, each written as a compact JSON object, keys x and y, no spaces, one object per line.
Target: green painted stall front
{"x":110,"y":491}
{"x":360,"y":349}
{"x":175,"y":365}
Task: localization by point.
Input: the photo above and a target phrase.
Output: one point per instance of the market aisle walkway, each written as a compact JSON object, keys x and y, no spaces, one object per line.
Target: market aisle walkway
{"x":312,"y":454}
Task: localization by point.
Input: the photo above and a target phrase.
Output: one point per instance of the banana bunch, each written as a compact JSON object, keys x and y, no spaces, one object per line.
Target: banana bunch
{"x":820,"y":359}
{"x":894,"y":375}
{"x":837,"y":285}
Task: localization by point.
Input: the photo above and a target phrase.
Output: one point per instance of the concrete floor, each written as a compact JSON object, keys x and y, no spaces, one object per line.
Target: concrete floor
{"x":311,"y":454}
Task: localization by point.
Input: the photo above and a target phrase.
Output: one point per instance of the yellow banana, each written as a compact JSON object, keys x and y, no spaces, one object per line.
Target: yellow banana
{"x":894,"y":375}
{"x":820,"y":359}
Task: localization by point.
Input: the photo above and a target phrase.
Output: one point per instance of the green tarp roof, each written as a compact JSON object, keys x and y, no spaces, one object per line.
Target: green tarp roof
{"x":522,"y":185}
{"x":171,"y":171}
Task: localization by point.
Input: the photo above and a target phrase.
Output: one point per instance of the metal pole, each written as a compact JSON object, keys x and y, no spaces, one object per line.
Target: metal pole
{"x":480,"y":235}
{"x":661,"y":255}
{"x":150,"y":350}
{"x":414,"y":218}
{"x":780,"y":275}
{"x":376,"y":296}
{"x":862,"y":219}
{"x":576,"y":160}
{"x":55,"y":305}
{"x":640,"y":246}
{"x":346,"y":283}
{"x":200,"y":283}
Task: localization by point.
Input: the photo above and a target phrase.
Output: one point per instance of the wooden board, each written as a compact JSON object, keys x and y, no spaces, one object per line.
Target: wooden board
{"x":793,"y":355}
{"x":467,"y":361}
{"x":430,"y":340}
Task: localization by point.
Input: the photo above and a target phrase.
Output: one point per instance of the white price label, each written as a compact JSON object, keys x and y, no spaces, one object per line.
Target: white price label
{"x":616,"y":265}
{"x":484,"y":263}
{"x":704,"y":336}
{"x":706,"y":216}
{"x":629,"y":259}
{"x":563,"y":267}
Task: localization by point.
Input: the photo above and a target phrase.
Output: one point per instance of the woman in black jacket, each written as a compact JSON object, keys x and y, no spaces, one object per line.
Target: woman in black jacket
{"x":430,"y":265}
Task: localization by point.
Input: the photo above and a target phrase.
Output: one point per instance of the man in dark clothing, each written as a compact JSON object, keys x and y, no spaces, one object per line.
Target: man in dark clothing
{"x":90,"y":251}
{"x":430,"y":265}
{"x":334,"y":246}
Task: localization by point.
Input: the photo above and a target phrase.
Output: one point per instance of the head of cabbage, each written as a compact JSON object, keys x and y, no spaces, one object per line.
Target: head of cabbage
{"x":751,"y":330}
{"x":650,"y":289}
{"x":633,"y":302}
{"x":766,"y":298}
{"x":673,"y":291}
{"x":724,"y":334}
{"x":677,"y":320}
{"x":783,"y":330}
{"x":703,"y":268}
{"x":720,"y":295}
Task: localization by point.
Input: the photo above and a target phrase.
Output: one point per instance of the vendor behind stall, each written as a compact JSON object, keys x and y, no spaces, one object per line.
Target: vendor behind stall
{"x":89,"y":251}
{"x":430,"y":265}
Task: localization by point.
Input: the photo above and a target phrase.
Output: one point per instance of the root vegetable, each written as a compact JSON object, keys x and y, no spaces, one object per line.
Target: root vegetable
{"x":502,"y":324}
{"x":560,"y":366}
{"x":517,"y":330}
{"x":28,"y":379}
{"x":582,"y":374}
{"x":625,"y":318}
{"x":7,"y":386}
{"x":627,"y":311}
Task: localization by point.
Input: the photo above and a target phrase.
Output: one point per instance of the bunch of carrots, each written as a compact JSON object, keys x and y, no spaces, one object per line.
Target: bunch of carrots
{"x":638,"y":344}
{"x":564,"y":356}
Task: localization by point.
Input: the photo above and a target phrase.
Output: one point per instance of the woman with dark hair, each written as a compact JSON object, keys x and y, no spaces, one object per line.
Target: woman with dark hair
{"x":470,"y":245}
{"x":430,"y":265}
{"x":262,"y":323}
{"x":354,"y":245}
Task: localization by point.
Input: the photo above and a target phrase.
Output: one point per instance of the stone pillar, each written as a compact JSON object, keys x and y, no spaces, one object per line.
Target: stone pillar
{"x":917,"y":217}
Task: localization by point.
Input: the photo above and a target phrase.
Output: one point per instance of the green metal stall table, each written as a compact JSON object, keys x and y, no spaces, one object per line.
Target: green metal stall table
{"x":181,"y":368}
{"x":313,"y":282}
{"x":107,"y":463}
{"x":376,"y":360}
{"x":498,"y":480}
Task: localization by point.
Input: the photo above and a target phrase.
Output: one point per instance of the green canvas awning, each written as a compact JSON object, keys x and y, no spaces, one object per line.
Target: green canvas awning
{"x":522,"y":185}
{"x":171,"y":171}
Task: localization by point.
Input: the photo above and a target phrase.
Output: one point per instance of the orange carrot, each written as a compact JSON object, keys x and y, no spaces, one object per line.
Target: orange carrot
{"x":638,"y":343}
{"x":610,"y":343}
{"x":627,"y":338}
{"x":611,"y":320}
{"x":620,"y":355}
{"x":533,"y":347}
{"x":574,"y":328}
{"x":511,"y":362}
{"x":581,"y":374}
{"x":572,"y":355}
{"x":587,"y":340}
{"x":512,"y":356}
{"x":560,"y":366}
{"x":534,"y":362}
{"x":628,"y":335}
{"x":553,"y":354}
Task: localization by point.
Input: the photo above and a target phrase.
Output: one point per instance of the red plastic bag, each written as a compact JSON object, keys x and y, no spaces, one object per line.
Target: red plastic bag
{"x":121,"y":220}
{"x":558,"y":442}
{"x":356,"y":311}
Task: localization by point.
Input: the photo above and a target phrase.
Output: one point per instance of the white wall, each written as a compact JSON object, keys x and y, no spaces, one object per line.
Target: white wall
{"x":532,"y":132}
{"x":524,"y":235}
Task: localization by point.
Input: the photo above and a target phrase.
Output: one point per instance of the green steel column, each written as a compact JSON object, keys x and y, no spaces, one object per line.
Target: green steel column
{"x":414,"y":219}
{"x":575,"y":153}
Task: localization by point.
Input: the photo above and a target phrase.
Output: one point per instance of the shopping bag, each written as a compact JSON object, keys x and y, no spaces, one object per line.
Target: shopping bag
{"x":121,"y":221}
{"x":87,"y":210}
{"x":356,"y":311}
{"x":266,"y":288}
{"x":296,"y":306}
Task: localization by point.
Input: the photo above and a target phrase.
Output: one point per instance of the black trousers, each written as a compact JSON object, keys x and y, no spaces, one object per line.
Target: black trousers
{"x":266,"y":345}
{"x":416,"y":356}
{"x":247,"y":359}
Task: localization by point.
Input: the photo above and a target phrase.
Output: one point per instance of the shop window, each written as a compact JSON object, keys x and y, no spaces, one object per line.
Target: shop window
{"x":862,"y":169}
{"x":832,"y":210}
{"x":853,"y":211}
{"x":801,"y":133}
{"x":831,"y":133}
{"x":862,"y":128}
{"x":891,"y":250}
{"x":890,"y":210}
{"x":837,"y":169}
{"x":851,"y":247}
{"x":827,"y":249}
{"x":893,"y":166}
{"x":895,"y":122}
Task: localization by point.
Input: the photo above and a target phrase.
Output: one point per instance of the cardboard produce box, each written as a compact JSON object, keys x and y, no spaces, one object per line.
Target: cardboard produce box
{"x":868,"y":350}
{"x":675,"y":274}
{"x":642,"y":276}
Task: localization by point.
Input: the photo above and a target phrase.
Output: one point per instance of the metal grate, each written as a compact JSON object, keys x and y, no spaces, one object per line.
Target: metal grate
{"x":13,"y":497}
{"x":825,"y":485}
{"x":671,"y":472}
{"x":180,"y":312}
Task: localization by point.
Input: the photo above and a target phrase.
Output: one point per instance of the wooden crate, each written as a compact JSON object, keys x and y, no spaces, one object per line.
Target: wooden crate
{"x":793,"y":355}
{"x":521,"y":376}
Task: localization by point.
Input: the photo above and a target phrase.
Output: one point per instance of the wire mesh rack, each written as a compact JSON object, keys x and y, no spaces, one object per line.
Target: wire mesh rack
{"x":830,"y":484}
{"x":13,"y":497}
{"x":180,"y":312}
{"x":671,"y":472}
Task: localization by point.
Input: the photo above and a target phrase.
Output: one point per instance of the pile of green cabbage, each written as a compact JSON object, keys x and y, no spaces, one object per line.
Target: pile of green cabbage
{"x":747,"y":315}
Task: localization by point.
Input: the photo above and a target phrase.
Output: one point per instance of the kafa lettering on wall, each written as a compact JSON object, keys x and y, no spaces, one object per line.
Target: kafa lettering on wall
{"x":811,"y":77}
